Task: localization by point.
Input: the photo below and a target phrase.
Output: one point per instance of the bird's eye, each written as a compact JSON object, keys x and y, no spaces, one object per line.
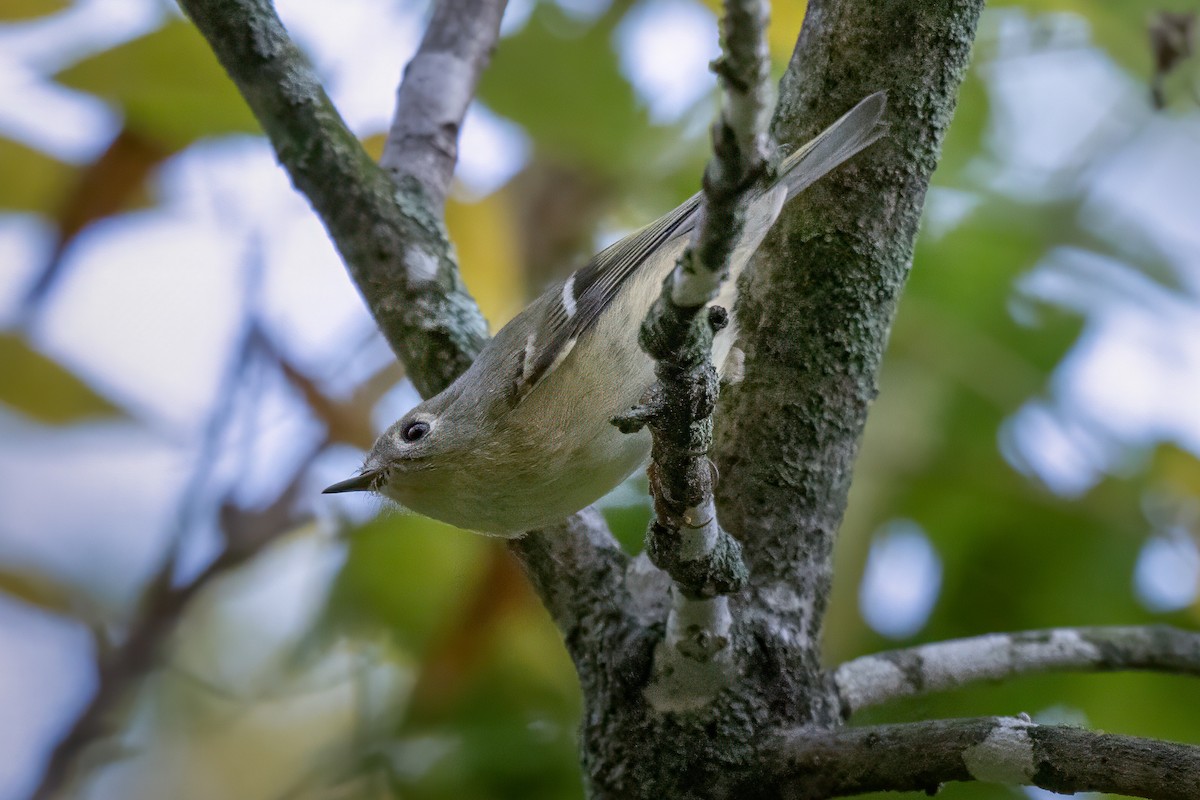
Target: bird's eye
{"x":414,"y":430}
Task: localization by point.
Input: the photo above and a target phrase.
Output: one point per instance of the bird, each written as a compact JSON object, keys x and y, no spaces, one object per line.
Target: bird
{"x":524,"y":437}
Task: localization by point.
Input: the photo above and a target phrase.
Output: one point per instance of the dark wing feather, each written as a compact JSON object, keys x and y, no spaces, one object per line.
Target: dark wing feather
{"x":577,"y":302}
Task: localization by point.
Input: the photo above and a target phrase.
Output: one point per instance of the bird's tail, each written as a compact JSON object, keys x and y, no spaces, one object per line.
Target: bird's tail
{"x":858,"y":128}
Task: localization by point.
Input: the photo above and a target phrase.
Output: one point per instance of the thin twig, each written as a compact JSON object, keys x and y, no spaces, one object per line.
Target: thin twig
{"x":246,"y":534}
{"x":739,"y":152}
{"x":880,"y":678}
{"x":162,"y":608}
{"x":813,"y":764}
{"x":685,"y":538}
{"x":163,"y":603}
{"x":438,"y":86}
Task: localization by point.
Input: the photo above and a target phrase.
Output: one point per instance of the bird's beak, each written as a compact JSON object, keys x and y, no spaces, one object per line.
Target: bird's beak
{"x":359,"y":483}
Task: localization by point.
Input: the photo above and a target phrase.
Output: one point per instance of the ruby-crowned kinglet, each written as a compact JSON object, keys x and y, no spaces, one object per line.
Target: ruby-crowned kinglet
{"x":523,"y":438}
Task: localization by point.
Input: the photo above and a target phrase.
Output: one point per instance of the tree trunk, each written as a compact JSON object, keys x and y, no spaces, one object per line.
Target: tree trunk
{"x":814,"y":318}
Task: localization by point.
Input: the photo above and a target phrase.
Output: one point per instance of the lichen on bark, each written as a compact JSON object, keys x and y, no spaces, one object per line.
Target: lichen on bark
{"x":816,"y":310}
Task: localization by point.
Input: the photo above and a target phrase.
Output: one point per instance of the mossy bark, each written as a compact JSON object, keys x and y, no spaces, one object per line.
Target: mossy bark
{"x":389,"y":235}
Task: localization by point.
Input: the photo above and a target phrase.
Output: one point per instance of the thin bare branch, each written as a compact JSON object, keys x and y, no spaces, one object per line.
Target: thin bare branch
{"x":685,"y":538}
{"x":920,"y":756}
{"x":163,"y":603}
{"x":739,"y":151}
{"x":883,"y":677}
{"x":438,"y":86}
{"x":744,"y":69}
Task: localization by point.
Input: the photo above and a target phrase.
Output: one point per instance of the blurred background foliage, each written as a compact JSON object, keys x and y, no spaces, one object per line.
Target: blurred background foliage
{"x":184,"y":364}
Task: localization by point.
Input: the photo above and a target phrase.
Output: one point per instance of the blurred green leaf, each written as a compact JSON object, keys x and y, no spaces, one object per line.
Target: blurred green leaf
{"x":14,"y":10}
{"x":1178,"y":470}
{"x":495,"y":709}
{"x":1118,"y":26}
{"x":511,"y":733}
{"x":628,"y":524}
{"x":43,"y":389}
{"x":410,"y":574}
{"x":169,"y":86}
{"x":559,"y":78}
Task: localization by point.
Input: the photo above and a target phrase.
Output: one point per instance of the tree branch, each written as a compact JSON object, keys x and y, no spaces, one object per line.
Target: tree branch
{"x":389,"y":235}
{"x":685,"y":538}
{"x":739,"y":149}
{"x":578,"y":570}
{"x":439,"y":84}
{"x":814,"y":763}
{"x":814,"y":313}
{"x":882,"y":677}
{"x":744,"y":69}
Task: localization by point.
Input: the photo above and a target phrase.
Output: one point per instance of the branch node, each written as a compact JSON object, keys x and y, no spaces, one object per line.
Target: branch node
{"x":642,"y":414}
{"x":704,"y":561}
{"x":718,"y":318}
{"x":722,"y":67}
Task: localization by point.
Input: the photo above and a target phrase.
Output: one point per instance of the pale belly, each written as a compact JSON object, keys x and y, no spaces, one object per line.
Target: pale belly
{"x":576,"y":455}
{"x":532,"y":494}
{"x":574,"y":483}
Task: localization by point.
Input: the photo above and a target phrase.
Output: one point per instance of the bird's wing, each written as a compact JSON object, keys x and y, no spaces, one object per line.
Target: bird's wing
{"x":576,"y":303}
